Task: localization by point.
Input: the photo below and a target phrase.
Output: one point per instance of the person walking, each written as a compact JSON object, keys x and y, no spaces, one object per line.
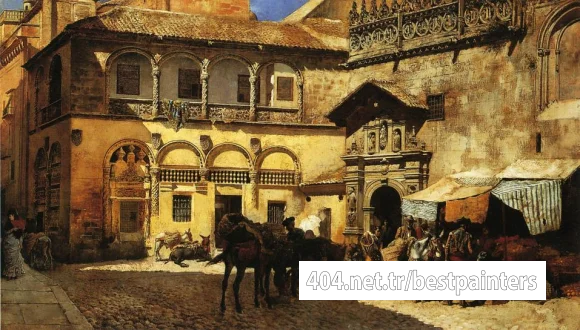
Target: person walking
{"x":12,"y":246}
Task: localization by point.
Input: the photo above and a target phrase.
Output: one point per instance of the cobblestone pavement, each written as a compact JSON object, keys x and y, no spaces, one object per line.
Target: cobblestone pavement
{"x":148,"y":295}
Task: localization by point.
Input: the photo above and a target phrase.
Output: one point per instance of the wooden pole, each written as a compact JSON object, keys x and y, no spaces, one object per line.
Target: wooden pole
{"x":505,"y":255}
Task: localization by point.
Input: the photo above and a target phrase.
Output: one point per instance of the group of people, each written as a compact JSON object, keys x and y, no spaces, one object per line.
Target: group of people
{"x":12,"y":239}
{"x":459,"y":244}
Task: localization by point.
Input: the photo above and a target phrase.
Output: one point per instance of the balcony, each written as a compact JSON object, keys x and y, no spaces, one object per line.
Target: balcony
{"x":229,"y":176}
{"x":277,"y":177}
{"x":229,"y":112}
{"x":50,"y":112}
{"x":413,"y":28}
{"x":180,"y":175}
{"x":181,"y":109}
{"x":131,"y":107}
{"x":11,"y":16}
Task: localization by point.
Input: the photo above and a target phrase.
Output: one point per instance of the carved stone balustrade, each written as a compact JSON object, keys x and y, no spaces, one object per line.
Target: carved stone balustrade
{"x":277,"y":177}
{"x":279,"y":115}
{"x":230,"y":176}
{"x":50,"y":112}
{"x":179,"y":175}
{"x":414,"y":27}
{"x":131,"y":107}
{"x":229,"y":112}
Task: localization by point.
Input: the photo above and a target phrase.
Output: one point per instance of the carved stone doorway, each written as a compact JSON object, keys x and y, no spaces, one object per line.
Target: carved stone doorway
{"x":386,"y":204}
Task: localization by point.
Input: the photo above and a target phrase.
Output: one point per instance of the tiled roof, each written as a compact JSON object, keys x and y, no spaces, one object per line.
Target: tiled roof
{"x":169,"y":24}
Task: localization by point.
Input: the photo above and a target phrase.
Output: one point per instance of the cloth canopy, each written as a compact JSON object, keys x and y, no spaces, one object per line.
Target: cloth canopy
{"x":540,"y":202}
{"x":463,"y":196}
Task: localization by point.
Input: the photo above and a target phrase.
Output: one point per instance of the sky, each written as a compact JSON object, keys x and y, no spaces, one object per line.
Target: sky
{"x":266,"y":10}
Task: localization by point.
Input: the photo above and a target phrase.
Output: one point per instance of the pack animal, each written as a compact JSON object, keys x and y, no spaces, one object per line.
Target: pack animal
{"x":243,"y":249}
{"x":425,"y":249}
{"x":191,"y":251}
{"x":40,"y":251}
{"x":170,"y":240}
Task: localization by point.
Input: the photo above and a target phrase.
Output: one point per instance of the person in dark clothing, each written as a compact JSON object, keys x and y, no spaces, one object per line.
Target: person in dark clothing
{"x":294,"y":234}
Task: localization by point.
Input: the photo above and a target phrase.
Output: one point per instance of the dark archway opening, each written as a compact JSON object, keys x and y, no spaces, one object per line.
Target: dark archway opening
{"x":387,"y":203}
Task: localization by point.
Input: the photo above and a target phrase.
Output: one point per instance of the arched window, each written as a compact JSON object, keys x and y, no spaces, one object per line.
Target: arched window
{"x":278,"y":86}
{"x":558,"y":52}
{"x":55,"y":83}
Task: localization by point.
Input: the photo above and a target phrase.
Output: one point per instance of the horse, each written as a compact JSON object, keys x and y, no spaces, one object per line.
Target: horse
{"x":191,"y":251}
{"x":39,"y":248}
{"x":244,"y":249}
{"x":170,"y":240}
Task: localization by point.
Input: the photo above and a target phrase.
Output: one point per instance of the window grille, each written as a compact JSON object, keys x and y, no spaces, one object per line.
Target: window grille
{"x":436,"y":105}
{"x":129,"y":217}
{"x":181,"y":208}
{"x":128,"y":79}
{"x":276,"y":212}
{"x":189,"y":85}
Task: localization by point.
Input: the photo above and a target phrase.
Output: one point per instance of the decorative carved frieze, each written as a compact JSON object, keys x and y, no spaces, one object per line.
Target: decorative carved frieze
{"x":290,"y":116}
{"x":229,"y":113}
{"x":388,"y":31}
{"x":179,"y":112}
{"x":129,"y":107}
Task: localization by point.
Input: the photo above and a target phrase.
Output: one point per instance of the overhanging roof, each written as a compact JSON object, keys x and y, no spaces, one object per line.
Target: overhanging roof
{"x":372,"y":91}
{"x":555,"y":169}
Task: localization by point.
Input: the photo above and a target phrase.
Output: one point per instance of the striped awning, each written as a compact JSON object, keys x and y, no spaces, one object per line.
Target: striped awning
{"x":540,"y":202}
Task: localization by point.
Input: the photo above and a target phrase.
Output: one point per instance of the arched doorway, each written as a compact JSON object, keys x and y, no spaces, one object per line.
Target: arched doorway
{"x":386,"y":202}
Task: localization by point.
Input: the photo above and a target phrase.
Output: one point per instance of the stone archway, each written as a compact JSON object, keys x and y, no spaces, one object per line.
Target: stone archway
{"x":386,"y":204}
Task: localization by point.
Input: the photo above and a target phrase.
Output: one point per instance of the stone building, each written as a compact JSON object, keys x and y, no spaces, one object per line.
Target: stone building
{"x":138,"y":117}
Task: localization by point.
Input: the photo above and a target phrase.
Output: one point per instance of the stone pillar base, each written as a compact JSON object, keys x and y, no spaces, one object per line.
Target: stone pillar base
{"x":352,"y":234}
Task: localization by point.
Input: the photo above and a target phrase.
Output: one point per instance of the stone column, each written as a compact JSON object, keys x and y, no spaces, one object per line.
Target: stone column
{"x":155,"y":73}
{"x":253,"y":91}
{"x":461,"y":18}
{"x":154,"y":191}
{"x":204,"y":88}
{"x":300,"y":85}
{"x":367,"y":218}
{"x":254,"y":188}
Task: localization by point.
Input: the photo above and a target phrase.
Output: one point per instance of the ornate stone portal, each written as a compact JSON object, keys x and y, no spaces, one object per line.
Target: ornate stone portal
{"x":392,"y":155}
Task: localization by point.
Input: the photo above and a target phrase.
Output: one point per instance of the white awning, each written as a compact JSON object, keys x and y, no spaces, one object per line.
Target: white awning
{"x":540,"y":202}
{"x":541,"y":169}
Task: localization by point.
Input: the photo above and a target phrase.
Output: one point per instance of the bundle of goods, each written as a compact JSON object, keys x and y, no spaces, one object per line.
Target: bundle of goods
{"x":571,"y":290}
{"x":518,"y":249}
{"x":396,"y":250}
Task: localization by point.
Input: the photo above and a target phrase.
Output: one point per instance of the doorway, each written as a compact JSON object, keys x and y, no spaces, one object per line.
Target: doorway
{"x":39,"y":223}
{"x":225,"y":204}
{"x":387,"y":203}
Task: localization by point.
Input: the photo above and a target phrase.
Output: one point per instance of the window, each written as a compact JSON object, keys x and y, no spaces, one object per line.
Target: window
{"x":128,"y":78}
{"x":189,"y":84}
{"x":12,"y":170}
{"x":181,"y":208}
{"x":55,"y":80}
{"x":129,"y":219}
{"x":436,"y":105}
{"x":285,"y":89}
{"x":244,"y":89}
{"x":276,"y":212}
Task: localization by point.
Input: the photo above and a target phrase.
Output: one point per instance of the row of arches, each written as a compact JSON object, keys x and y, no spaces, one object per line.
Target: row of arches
{"x":225,"y":155}
{"x":132,"y":73}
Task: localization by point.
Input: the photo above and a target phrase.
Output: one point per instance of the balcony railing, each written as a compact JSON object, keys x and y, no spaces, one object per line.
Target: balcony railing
{"x":413,"y":27}
{"x":180,"y":175}
{"x":131,"y":107}
{"x":12,"y":16}
{"x":280,"y":115}
{"x":229,"y":112}
{"x":184,"y":110}
{"x":50,"y":112}
{"x":228,"y":176}
{"x":277,"y":177}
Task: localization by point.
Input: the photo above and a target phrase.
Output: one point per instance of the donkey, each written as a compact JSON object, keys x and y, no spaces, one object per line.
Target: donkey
{"x":170,"y":240}
{"x":191,"y":251}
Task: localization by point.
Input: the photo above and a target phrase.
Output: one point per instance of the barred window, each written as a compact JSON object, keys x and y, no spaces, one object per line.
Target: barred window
{"x":181,"y":208}
{"x":128,"y":79}
{"x":129,"y":217}
{"x":276,"y":212}
{"x":189,"y":84}
{"x":285,"y":89}
{"x":436,"y":105}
